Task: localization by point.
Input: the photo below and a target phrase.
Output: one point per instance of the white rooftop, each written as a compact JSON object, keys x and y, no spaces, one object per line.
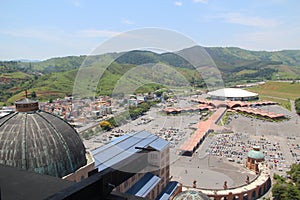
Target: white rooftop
{"x":232,"y":92}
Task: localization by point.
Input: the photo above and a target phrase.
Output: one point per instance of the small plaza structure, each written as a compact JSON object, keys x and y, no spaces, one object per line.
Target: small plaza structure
{"x":255,"y":156}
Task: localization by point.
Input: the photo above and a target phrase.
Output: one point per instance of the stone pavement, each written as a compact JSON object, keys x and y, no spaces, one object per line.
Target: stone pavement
{"x":209,"y":172}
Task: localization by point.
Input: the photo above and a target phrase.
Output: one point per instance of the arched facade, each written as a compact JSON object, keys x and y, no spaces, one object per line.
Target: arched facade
{"x":254,"y":190}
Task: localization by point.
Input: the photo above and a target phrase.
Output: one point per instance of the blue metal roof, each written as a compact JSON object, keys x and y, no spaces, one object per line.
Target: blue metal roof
{"x":159,"y":144}
{"x":165,"y":196}
{"x":124,"y":147}
{"x":168,"y":191}
{"x":144,"y":185}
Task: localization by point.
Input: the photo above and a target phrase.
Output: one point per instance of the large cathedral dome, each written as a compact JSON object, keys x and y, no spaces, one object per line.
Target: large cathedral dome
{"x":38,"y":141}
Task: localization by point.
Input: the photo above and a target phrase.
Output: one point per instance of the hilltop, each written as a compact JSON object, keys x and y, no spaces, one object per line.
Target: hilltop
{"x":55,"y":77}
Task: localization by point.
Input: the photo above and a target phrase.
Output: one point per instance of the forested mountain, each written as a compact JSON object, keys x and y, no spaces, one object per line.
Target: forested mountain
{"x":243,"y":65}
{"x":55,"y":77}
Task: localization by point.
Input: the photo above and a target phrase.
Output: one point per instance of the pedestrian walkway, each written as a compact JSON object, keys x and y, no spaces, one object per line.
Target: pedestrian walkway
{"x":203,"y":129}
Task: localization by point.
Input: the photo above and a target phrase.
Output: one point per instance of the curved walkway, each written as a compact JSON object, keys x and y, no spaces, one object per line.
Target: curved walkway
{"x":255,"y":189}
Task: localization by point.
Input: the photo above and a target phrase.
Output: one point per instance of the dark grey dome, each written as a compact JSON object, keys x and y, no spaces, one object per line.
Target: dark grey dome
{"x":191,"y":194}
{"x":38,"y":141}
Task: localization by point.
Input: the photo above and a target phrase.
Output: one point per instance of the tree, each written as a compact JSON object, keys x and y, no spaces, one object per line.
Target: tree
{"x":291,"y":193}
{"x":278,"y":191}
{"x":286,"y":189}
{"x":112,"y":121}
{"x":158,"y":93}
{"x":297,"y":106}
{"x":33,"y":95}
{"x":105,"y":125}
{"x":294,"y":173}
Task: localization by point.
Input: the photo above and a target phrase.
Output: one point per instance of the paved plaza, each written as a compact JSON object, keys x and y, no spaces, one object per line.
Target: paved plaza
{"x":221,"y":157}
{"x":209,"y":172}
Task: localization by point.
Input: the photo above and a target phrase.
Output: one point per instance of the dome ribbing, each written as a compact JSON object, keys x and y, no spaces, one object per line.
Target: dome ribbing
{"x":38,"y":141}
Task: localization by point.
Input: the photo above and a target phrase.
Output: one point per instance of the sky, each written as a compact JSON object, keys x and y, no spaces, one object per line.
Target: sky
{"x":38,"y":30}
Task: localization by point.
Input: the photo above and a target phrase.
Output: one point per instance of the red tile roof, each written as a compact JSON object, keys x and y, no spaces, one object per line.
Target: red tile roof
{"x":257,"y":111}
{"x":203,"y":127}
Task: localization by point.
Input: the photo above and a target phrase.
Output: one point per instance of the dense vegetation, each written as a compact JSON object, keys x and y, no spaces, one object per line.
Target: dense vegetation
{"x":275,"y":65}
{"x":122,"y":118}
{"x":59,"y":64}
{"x":11,"y":74}
{"x":55,"y":77}
{"x":131,"y":114}
{"x":288,"y":188}
{"x":297,"y":106}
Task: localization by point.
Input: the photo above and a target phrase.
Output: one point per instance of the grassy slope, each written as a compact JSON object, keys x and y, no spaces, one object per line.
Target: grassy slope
{"x":49,"y":86}
{"x":233,"y":62}
{"x":237,"y":63}
{"x":281,"y":90}
{"x":15,"y":75}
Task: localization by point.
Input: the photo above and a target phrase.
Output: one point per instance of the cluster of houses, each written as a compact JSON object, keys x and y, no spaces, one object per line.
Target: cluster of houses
{"x":79,"y":112}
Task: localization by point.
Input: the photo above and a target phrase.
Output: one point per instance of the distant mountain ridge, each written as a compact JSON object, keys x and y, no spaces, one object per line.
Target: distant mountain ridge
{"x":224,"y":57}
{"x":26,"y":60}
{"x":55,"y":77}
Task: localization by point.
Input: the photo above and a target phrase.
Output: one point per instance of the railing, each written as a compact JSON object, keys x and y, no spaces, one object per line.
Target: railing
{"x":214,"y":192}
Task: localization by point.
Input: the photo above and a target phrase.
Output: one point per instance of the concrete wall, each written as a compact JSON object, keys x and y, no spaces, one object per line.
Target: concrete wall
{"x":251,"y":191}
{"x":82,"y":172}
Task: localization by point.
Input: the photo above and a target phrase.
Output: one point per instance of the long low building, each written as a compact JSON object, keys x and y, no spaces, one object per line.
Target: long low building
{"x":229,"y":104}
{"x":172,"y":110}
{"x":233,"y":94}
{"x":260,"y":113}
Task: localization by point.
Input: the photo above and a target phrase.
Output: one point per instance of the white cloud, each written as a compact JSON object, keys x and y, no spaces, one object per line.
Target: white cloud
{"x":178,"y":3}
{"x":238,"y":18}
{"x":98,"y":33}
{"x":200,"y":1}
{"x":127,"y":21}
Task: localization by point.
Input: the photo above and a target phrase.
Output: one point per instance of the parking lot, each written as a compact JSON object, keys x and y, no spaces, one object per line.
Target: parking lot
{"x":221,"y":157}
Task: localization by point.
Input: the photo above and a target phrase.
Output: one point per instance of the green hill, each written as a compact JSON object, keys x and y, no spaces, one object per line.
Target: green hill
{"x":55,"y":77}
{"x":274,"y":65}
